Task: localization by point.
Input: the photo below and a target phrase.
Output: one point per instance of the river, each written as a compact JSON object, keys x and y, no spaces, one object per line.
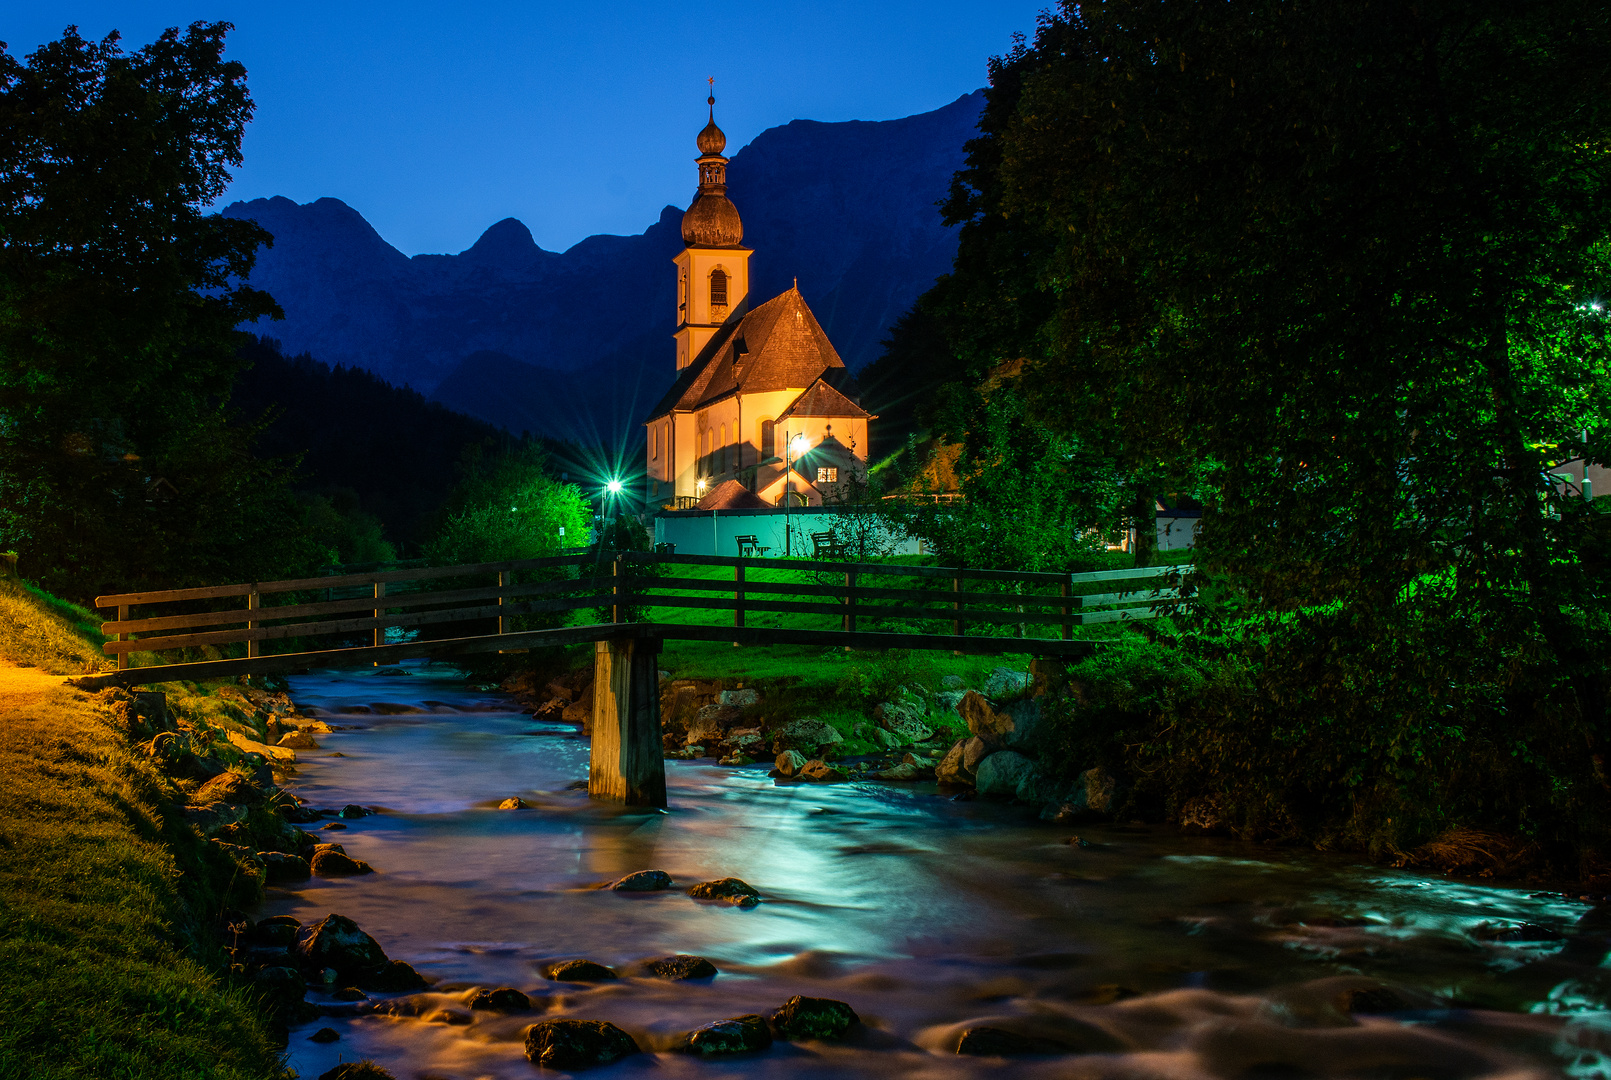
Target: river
{"x":1189,"y":957}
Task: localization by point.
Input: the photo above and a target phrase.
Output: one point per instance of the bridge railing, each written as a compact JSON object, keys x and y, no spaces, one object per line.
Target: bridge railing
{"x":698,"y":597}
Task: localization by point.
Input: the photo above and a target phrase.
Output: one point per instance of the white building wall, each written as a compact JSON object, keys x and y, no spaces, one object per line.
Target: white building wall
{"x":706,"y":533}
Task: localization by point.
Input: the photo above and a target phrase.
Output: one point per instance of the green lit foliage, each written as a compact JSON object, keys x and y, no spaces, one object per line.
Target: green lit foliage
{"x":119,"y":296}
{"x":1344,"y":263}
{"x":508,"y":506}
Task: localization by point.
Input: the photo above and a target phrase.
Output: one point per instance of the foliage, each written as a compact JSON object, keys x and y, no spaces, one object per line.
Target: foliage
{"x":1344,"y":263}
{"x":118,"y":302}
{"x":507,"y":506}
{"x":345,"y":533}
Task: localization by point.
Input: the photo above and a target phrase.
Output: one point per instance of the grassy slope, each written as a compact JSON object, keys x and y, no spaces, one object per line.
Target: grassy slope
{"x":96,"y":936}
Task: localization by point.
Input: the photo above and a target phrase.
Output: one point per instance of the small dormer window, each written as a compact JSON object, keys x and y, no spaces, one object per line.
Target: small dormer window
{"x":718,"y":287}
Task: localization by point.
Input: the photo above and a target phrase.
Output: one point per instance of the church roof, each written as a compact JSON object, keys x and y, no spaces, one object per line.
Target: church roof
{"x":777,"y":346}
{"x":820,"y":399}
{"x":731,"y":495}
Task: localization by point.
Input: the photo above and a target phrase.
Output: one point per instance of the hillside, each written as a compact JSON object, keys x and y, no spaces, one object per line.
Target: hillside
{"x":577,"y":344}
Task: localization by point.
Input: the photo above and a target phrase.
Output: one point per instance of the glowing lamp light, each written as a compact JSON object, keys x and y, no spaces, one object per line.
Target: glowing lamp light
{"x":614,"y":487}
{"x":800,"y":444}
{"x":700,"y":485}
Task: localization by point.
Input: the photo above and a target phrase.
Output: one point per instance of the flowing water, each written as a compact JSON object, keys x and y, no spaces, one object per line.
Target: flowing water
{"x":1185,"y":958}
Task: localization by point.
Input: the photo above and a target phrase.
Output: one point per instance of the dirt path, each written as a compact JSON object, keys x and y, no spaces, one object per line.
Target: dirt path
{"x":21,"y":687}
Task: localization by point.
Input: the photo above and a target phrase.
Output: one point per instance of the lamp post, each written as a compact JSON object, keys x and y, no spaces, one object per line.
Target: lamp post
{"x":798,"y":444}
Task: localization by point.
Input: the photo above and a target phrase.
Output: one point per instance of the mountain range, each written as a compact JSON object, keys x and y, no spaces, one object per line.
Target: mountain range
{"x":577,"y":344}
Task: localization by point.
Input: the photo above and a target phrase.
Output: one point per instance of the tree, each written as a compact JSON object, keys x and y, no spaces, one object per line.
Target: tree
{"x":1343,"y":260}
{"x":119,"y":296}
{"x":507,"y":507}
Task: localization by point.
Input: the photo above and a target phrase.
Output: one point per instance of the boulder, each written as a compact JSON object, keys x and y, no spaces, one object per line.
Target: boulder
{"x":903,"y":720}
{"x":514,"y":802}
{"x":790,"y":762}
{"x":952,"y":682}
{"x":974,"y":751}
{"x":392,"y":977}
{"x":337,"y":943}
{"x":1023,"y":720}
{"x":353,"y":810}
{"x":576,"y":1044}
{"x":643,"y":881}
{"x":746,"y":739}
{"x":580,"y":711}
{"x":279,"y":931}
{"x":283,"y":867}
{"x":814,"y":1018}
{"x":948,"y":700}
{"x":1095,"y":796}
{"x":681,"y":967}
{"x":904,"y":771}
{"x":732,"y":890}
{"x":981,"y":716}
{"x":297,"y":740}
{"x":324,"y":1035}
{"x":328,"y":862}
{"x":213,"y":817}
{"x":820,"y":770}
{"x":279,"y":986}
{"x":808,"y":733}
{"x":1005,"y":683}
{"x":738,"y":698}
{"x":348,"y":993}
{"x":357,"y":1070}
{"x":736,"y":1035}
{"x":951,"y":769}
{"x":581,"y":971}
{"x":228,"y":787}
{"x":883,"y":739}
{"x":1038,"y":788}
{"x":1000,"y":774}
{"x":505,"y":999}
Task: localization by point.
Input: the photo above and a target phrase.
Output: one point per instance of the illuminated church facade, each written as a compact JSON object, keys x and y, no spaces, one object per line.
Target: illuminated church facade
{"x":763,"y":410}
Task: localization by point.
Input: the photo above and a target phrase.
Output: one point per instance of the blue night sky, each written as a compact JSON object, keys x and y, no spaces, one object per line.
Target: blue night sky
{"x":436,"y":120}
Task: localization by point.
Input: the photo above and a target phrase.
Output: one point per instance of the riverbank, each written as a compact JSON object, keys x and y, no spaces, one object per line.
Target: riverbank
{"x":107,"y":897}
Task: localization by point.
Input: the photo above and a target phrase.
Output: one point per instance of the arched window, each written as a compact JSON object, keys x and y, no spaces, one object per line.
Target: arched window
{"x":718,"y":287}
{"x":767,"y":429}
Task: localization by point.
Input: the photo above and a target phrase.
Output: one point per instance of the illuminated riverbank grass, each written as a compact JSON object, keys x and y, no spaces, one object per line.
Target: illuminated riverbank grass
{"x":104,"y":899}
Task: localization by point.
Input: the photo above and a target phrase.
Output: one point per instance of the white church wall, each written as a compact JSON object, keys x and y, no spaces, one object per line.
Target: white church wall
{"x":704,"y":533}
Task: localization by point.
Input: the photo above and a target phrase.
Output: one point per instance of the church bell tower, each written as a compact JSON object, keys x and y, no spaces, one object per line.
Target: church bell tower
{"x":713,"y":269}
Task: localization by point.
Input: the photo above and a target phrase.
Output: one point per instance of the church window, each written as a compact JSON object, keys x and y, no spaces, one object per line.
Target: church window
{"x":654,"y":447}
{"x":826,"y":475}
{"x":767,"y":428}
{"x":718,"y":287}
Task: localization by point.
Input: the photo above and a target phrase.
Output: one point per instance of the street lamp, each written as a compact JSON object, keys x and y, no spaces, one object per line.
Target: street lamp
{"x":799,"y":444}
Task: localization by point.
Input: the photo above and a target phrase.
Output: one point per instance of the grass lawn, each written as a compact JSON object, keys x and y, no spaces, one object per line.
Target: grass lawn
{"x":105,"y":896}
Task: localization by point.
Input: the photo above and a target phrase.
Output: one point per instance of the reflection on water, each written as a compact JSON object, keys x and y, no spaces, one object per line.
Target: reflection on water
{"x":1176,"y":958}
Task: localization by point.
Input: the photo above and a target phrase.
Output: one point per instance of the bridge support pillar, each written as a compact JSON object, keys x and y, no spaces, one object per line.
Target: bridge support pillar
{"x":628,"y":764}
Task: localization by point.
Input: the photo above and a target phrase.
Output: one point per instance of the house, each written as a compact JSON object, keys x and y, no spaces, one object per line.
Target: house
{"x":761,"y":397}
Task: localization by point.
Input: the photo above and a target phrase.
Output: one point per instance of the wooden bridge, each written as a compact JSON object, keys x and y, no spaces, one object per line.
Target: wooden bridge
{"x":637,"y":601}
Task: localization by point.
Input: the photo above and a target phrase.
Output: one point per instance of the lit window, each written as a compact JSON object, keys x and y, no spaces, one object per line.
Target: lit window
{"x":654,"y":447}
{"x":825,"y":475}
{"x":718,"y":287}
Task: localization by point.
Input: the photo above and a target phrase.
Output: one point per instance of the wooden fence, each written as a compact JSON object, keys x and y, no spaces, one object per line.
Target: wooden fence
{"x":863,"y":605}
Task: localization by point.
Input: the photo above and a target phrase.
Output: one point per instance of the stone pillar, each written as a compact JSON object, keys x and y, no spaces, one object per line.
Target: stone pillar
{"x":628,"y":765}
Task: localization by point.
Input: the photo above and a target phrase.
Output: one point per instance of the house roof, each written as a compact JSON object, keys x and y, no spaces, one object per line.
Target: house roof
{"x":777,"y":346}
{"x":732,"y":495}
{"x":820,"y":399}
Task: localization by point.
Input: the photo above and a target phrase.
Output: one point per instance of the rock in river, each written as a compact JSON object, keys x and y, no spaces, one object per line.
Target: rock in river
{"x":581,"y":971}
{"x":808,"y":733}
{"x":576,"y":1044}
{"x":283,"y":867}
{"x":790,"y":762}
{"x":818,"y":769}
{"x":733,"y":890}
{"x":330,"y":861}
{"x":338,"y":943}
{"x":505,"y":999}
{"x":392,"y":977}
{"x":513,"y":802}
{"x":681,"y":966}
{"x":814,"y":1018}
{"x":735,"y":1035}
{"x":643,"y":881}
{"x":1001,"y":773}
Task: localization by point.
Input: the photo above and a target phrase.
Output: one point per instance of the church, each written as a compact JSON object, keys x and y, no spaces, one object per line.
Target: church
{"x":763,"y":410}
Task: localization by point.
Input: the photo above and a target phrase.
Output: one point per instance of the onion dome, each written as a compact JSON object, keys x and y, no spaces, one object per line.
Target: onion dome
{"x":712,"y":220}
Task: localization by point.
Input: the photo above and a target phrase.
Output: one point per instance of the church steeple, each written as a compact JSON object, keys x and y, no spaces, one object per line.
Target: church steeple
{"x":713,"y":277}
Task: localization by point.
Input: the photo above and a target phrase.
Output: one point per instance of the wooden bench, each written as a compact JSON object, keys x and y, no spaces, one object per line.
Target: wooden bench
{"x":824,"y":546}
{"x":750,"y":546}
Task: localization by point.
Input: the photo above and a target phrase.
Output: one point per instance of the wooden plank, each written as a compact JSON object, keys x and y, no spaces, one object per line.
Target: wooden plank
{"x":803,"y":607}
{"x":1095,"y":618}
{"x":1140,"y":596}
{"x":815,"y":566}
{"x":337,"y":607}
{"x":1120,"y":575}
{"x":350,"y":626}
{"x":213,"y":592}
{"x":872,"y":639}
